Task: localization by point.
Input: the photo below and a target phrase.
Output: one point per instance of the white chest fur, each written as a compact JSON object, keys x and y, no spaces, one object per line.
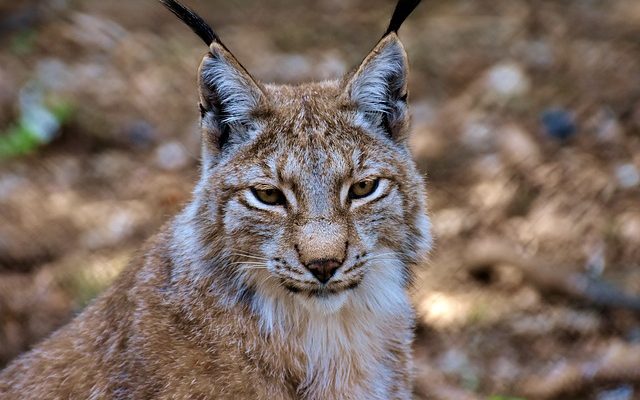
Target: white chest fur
{"x":343,"y":342}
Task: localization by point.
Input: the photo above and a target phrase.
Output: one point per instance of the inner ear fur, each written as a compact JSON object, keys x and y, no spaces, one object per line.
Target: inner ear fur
{"x":229,"y":97}
{"x":378,"y":88}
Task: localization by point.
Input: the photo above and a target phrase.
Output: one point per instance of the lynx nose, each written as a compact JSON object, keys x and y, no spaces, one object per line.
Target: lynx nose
{"x":323,"y":269}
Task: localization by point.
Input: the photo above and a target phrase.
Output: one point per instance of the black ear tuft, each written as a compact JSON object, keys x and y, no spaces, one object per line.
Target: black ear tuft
{"x":403,"y":9}
{"x":193,"y":20}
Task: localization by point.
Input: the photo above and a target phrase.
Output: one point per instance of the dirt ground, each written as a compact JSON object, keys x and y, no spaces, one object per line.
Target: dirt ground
{"x":526,"y":119}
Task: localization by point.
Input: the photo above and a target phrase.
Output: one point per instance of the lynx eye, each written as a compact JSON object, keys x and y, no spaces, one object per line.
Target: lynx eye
{"x":269,"y":195}
{"x":363,"y":188}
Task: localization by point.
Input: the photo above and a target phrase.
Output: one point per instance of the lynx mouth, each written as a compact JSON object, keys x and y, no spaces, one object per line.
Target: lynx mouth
{"x":321,"y":292}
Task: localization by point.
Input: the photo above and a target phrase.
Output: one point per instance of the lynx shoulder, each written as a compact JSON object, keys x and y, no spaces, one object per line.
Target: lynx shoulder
{"x":285,"y":277}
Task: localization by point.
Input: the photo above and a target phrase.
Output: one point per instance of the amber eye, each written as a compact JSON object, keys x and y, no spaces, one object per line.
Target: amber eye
{"x":363,"y":188}
{"x":268,"y":195}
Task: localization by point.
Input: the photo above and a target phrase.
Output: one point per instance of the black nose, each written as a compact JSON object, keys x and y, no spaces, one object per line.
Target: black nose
{"x":323,"y":269}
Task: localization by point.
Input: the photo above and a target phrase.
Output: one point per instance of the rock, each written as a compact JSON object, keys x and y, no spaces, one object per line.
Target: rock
{"x":92,"y":31}
{"x":451,"y":222}
{"x":10,"y":183}
{"x":628,"y":226}
{"x":624,"y":392}
{"x":518,"y":147}
{"x":110,"y":165}
{"x":453,"y":361}
{"x":478,"y":135}
{"x":65,"y":171}
{"x":539,"y":53}
{"x":456,"y":362}
{"x":54,"y":74}
{"x":596,"y":261}
{"x":141,"y":134}
{"x":109,"y":224}
{"x":627,"y":175}
{"x":36,"y":118}
{"x":507,"y":80}
{"x":116,"y":229}
{"x":423,"y":112}
{"x":171,"y":156}
{"x":558,"y":123}
{"x":488,"y":166}
{"x":607,"y":128}
{"x":557,"y":320}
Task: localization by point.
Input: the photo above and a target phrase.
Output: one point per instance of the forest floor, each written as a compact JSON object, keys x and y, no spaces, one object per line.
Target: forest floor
{"x":526,"y":124}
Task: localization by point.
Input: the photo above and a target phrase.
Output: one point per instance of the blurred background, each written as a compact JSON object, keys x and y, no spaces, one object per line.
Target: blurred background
{"x":526,"y":121}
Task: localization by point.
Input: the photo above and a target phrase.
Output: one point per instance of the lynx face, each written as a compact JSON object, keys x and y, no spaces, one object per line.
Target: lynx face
{"x":313,"y":185}
{"x":317,"y":200}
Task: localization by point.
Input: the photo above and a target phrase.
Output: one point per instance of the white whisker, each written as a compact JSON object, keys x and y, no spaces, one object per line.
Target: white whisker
{"x":238,"y":251}
{"x":382,"y":255}
{"x":249,"y":256}
{"x":251,"y":267}
{"x":247,"y":263}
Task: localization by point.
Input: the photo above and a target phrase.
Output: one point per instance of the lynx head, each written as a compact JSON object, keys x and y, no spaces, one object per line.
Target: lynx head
{"x":309,"y":193}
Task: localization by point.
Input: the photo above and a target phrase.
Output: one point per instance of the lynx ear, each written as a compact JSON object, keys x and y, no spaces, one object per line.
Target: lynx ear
{"x":230,"y":99}
{"x":229,"y":96}
{"x":378,"y":88}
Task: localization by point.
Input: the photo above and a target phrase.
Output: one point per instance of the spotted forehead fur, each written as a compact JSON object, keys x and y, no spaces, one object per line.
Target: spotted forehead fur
{"x":312,"y":125}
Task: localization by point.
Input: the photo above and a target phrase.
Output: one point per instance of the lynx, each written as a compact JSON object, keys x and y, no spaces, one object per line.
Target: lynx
{"x":286,"y":275}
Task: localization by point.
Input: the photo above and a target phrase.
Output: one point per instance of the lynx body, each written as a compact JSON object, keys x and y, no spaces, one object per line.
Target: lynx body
{"x":285,"y":276}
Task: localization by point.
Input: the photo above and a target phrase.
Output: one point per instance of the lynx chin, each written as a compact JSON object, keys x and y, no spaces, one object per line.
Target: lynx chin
{"x":286,"y":275}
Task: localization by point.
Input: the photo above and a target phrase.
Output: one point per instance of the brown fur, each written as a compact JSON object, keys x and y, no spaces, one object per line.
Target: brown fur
{"x":195,"y":318}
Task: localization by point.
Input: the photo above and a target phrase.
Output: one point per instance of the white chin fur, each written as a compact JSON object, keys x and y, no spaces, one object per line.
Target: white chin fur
{"x":325,"y":305}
